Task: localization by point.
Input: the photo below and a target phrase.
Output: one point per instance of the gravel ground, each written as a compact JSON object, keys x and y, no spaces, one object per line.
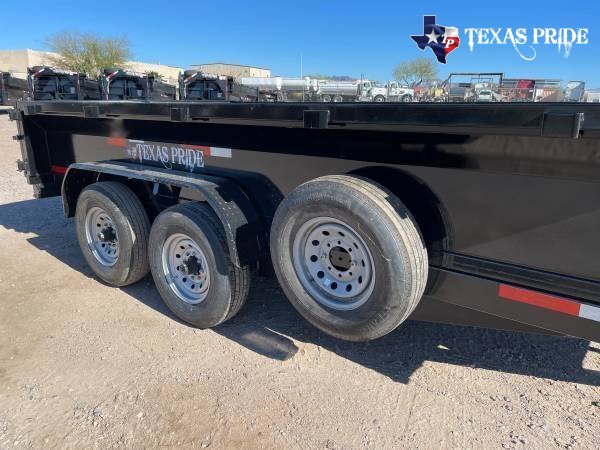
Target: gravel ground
{"x":86,"y":365}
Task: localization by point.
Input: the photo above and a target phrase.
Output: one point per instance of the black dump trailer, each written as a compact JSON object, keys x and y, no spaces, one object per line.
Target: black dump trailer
{"x":369,"y":214}
{"x":12,"y":89}
{"x":50,"y":83}
{"x":195,"y":85}
{"x":119,"y":84}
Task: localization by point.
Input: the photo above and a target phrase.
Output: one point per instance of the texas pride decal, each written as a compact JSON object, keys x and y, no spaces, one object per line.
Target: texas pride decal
{"x":442,"y":40}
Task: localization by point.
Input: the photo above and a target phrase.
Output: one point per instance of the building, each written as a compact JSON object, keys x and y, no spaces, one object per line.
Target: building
{"x":592,"y":96}
{"x":169,"y":74}
{"x":232,"y":70}
{"x":17,"y":61}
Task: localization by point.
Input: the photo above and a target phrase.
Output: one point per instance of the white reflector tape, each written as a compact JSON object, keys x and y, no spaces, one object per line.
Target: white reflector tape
{"x":589,"y":312}
{"x":220,"y":151}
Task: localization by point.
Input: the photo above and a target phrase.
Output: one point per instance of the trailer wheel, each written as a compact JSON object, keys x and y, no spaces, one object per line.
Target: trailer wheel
{"x":192,"y":268}
{"x":112,"y":229}
{"x":338,"y":99}
{"x":326,"y":98}
{"x":349,"y":256}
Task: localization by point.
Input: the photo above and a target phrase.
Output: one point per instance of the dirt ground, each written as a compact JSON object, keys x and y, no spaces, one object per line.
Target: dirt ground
{"x":86,"y":365}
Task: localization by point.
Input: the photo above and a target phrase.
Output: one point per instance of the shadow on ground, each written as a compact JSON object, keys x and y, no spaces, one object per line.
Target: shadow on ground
{"x":268,"y":325}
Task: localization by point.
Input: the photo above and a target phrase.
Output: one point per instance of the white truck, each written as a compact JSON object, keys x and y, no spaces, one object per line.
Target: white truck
{"x":281,"y":88}
{"x":310,"y":89}
{"x":343,"y":91}
{"x":393,"y":91}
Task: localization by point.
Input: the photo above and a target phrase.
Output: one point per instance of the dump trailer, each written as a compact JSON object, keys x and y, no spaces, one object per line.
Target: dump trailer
{"x":12,"y":89}
{"x":50,"y":83}
{"x":367,"y":214}
{"x":119,"y":84}
{"x":195,"y":85}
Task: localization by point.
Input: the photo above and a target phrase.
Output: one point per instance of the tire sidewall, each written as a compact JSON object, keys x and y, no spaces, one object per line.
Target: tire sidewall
{"x":215,"y":307}
{"x":387,"y":305}
{"x":118,"y":273}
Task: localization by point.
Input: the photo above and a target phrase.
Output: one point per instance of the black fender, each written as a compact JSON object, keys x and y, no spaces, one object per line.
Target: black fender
{"x":246,"y":238}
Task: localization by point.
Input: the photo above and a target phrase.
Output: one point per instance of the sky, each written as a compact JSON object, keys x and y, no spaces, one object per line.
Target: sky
{"x":330,"y":37}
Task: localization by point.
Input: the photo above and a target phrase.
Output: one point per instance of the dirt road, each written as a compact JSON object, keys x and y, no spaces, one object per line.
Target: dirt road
{"x":86,"y":365}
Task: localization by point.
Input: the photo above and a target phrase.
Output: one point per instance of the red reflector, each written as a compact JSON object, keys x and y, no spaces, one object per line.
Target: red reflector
{"x":204,"y":148}
{"x":538,"y":299}
{"x":116,"y":141}
{"x":58,"y":169}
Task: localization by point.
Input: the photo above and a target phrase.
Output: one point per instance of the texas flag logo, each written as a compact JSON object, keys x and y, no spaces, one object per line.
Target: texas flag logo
{"x":441,"y":40}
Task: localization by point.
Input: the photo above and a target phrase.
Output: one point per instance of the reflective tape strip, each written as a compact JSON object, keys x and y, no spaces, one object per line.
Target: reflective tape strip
{"x":117,"y":141}
{"x":551,"y":302}
{"x":220,"y":151}
{"x":590,"y":312}
{"x":61,"y":170}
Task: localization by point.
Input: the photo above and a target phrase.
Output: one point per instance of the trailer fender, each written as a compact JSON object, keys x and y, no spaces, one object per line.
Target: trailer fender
{"x":246,"y":238}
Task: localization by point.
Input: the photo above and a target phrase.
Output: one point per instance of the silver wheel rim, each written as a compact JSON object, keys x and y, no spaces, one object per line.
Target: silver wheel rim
{"x":185,"y":268}
{"x":102,"y":237}
{"x":333,"y":263}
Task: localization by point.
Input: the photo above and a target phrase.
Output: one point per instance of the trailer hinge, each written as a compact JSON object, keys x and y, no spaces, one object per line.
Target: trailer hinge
{"x":180,"y":114}
{"x":23,"y":166}
{"x":316,"y":118}
{"x":18,"y":137}
{"x":91,"y":112}
{"x":565,"y":125}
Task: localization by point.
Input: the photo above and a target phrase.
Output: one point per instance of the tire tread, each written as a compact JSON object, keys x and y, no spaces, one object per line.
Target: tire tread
{"x":131,"y":207}
{"x":239,"y":276}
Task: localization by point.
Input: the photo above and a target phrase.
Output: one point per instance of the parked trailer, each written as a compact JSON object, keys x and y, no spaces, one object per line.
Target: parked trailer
{"x":119,"y":84}
{"x":195,"y":85}
{"x":50,"y":83}
{"x":370,"y":213}
{"x":11,"y":89}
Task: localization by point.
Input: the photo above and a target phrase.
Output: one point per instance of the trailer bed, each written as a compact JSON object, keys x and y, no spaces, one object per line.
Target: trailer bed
{"x":507,"y":195}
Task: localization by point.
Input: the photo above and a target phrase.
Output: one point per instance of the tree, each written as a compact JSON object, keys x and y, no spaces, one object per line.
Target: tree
{"x":416,"y":71}
{"x":87,"y":53}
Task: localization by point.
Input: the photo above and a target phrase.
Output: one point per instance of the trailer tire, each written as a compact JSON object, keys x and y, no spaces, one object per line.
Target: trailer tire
{"x":221,"y":288}
{"x":326,"y":98}
{"x":388,"y":256}
{"x":109,"y":208}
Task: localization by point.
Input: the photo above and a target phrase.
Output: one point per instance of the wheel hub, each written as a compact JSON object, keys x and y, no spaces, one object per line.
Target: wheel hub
{"x":101,"y":236}
{"x":185,"y":268}
{"x":191,"y":266}
{"x":333,"y":263}
{"x":107,"y":235}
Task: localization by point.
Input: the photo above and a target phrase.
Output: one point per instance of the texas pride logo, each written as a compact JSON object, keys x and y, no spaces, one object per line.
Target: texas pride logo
{"x":441,"y":40}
